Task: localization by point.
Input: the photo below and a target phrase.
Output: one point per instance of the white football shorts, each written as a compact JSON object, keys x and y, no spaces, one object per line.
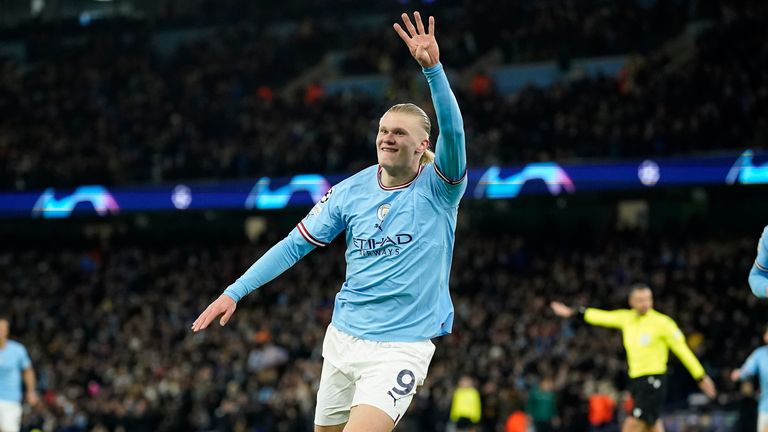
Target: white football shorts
{"x":357,"y":371}
{"x":10,"y":416}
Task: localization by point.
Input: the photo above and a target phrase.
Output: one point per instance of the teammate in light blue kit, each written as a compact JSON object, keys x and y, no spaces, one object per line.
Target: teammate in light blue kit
{"x":14,"y":365}
{"x":757,"y":364}
{"x":758,"y":276}
{"x":400,"y":219}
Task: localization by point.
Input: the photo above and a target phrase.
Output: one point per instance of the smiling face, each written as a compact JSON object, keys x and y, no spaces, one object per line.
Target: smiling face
{"x":401,"y":141}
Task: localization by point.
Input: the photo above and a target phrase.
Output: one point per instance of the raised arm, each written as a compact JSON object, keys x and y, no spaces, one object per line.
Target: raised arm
{"x":598,"y":317}
{"x":758,"y":276}
{"x":450,"y":152}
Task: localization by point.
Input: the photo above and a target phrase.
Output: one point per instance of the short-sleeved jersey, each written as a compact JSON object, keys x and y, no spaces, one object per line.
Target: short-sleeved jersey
{"x":647,"y":340}
{"x":757,"y":364}
{"x":399,"y":249}
{"x":13,"y":360}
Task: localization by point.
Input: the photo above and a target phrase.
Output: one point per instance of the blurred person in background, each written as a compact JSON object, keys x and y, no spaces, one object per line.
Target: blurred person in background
{"x":758,"y":276}
{"x":15,"y":366}
{"x":466,"y":407}
{"x":542,"y":405}
{"x":648,"y":336}
{"x":602,"y":407}
{"x":400,"y":222}
{"x":757,"y":365}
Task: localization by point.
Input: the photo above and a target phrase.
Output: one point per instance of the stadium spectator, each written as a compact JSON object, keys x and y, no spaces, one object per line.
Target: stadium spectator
{"x":466,"y":408}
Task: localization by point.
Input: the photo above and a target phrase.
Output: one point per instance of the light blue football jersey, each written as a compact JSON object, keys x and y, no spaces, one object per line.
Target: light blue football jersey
{"x":757,"y":364}
{"x":399,"y":239}
{"x":13,"y":360}
{"x":399,"y":249}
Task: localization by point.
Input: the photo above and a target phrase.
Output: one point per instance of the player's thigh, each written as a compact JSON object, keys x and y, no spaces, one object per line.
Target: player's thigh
{"x":334,"y":399}
{"x":335,"y":428}
{"x":390,"y":374}
{"x":10,"y":416}
{"x":367,"y":418}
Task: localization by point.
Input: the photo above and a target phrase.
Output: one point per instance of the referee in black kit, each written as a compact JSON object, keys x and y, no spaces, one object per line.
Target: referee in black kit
{"x":648,"y":336}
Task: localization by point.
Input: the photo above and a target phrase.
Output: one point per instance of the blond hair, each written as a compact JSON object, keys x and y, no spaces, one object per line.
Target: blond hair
{"x":409,"y":108}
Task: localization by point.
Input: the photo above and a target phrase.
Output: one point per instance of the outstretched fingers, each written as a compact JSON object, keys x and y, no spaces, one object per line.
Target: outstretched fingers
{"x":403,"y":35}
{"x":419,"y":22}
{"x":409,"y":25}
{"x":431,"y":26}
{"x":204,"y":319}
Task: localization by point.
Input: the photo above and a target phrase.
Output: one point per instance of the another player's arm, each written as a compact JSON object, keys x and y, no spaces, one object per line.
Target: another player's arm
{"x":450,"y":152}
{"x":748,"y":369}
{"x":597,"y":317}
{"x":758,"y":276}
{"x":28,"y":375}
{"x":318,"y":228}
{"x":30,"y":383}
{"x":675,"y":340}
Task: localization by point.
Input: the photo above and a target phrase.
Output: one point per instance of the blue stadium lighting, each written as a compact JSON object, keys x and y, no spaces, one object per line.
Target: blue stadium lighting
{"x":49,"y":207}
{"x":494,"y":182}
{"x":745,"y":171}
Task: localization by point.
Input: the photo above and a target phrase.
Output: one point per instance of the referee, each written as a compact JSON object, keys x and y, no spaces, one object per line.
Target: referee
{"x":648,"y":336}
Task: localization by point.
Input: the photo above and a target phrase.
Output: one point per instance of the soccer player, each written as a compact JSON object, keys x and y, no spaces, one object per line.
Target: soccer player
{"x":648,"y":336}
{"x":758,"y":276}
{"x":14,"y":365}
{"x":757,"y":364}
{"x":400,"y":220}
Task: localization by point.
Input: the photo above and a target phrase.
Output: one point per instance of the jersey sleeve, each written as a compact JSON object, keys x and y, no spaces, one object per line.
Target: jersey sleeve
{"x":604,"y":318}
{"x":450,"y":152}
{"x":758,"y":275}
{"x":325,"y":221}
{"x":749,"y":368}
{"x":321,"y":225}
{"x":675,"y":340}
{"x":278,"y":259}
{"x":24,"y":361}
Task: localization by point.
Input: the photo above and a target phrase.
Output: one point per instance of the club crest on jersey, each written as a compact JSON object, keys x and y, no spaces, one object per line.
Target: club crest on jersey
{"x":382,"y":211}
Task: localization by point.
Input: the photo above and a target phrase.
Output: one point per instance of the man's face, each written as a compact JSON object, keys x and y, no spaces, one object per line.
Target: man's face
{"x":4,"y":325}
{"x":401,"y":140}
{"x":641,"y":300}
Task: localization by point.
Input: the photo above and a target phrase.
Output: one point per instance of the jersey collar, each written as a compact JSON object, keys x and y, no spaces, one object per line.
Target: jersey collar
{"x":398,"y":187}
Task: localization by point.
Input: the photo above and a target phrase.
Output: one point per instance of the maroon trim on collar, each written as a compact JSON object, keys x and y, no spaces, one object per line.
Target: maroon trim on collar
{"x":398,"y":187}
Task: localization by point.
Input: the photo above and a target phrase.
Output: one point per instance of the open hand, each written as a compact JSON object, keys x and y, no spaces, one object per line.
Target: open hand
{"x":222,"y":305}
{"x":561,"y":310}
{"x":421,"y":43}
{"x":708,"y":387}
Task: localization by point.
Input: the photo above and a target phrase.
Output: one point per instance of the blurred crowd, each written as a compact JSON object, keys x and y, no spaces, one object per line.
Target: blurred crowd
{"x":108,"y":330}
{"x":107,"y":108}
